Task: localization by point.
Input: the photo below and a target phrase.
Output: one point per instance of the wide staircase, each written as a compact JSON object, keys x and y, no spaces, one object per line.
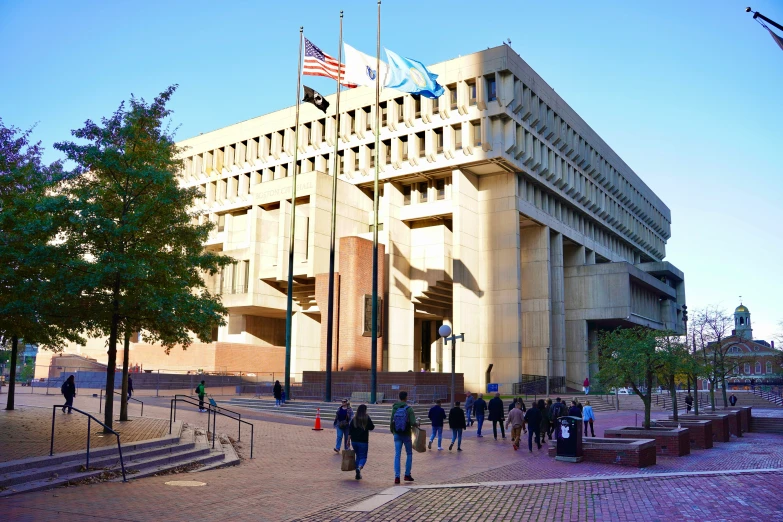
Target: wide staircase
{"x":185,"y":447}
{"x":380,"y":413}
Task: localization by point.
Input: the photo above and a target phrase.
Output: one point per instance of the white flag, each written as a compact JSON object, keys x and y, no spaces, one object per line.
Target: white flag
{"x":360,"y":68}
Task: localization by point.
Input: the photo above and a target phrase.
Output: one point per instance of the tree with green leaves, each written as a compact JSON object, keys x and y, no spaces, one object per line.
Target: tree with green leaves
{"x":676,"y":359}
{"x":34,"y":308}
{"x":140,"y":247}
{"x":632,"y":357}
{"x":712,"y":329}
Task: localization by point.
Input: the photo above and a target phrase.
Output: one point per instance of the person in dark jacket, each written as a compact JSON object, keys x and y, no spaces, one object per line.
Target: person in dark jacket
{"x":360,"y":428}
{"x":469,"y":407}
{"x":688,"y":402}
{"x":521,"y":404}
{"x":437,"y":415}
{"x":479,"y":408}
{"x":457,"y":424}
{"x":497,"y":414}
{"x":573,"y":411}
{"x":342,"y":420}
{"x":277,"y":392}
{"x":533,"y":420}
{"x":545,"y":420}
{"x":68,"y":390}
{"x":130,"y":387}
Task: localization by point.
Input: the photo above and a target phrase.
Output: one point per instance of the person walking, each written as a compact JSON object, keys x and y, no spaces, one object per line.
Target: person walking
{"x":586,"y":386}
{"x":130,"y":387}
{"x":68,"y":390}
{"x":359,"y":433}
{"x":550,"y":413}
{"x":516,"y":419}
{"x":402,"y":421}
{"x":437,"y":415}
{"x":342,"y":420}
{"x":580,"y":406}
{"x":201,"y":391}
{"x":469,"y":400}
{"x":546,"y":420}
{"x":573,"y":411}
{"x":588,"y":416}
{"x":277,"y":392}
{"x":688,"y":403}
{"x":733,"y":400}
{"x":533,"y":419}
{"x":457,"y":424}
{"x":558,"y":410}
{"x":497,"y":415}
{"x":479,"y":408}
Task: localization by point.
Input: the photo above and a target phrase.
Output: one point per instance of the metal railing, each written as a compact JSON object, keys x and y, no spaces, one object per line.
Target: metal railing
{"x":90,"y":418}
{"x":536,"y":384}
{"x":213,"y":411}
{"x":100,"y":401}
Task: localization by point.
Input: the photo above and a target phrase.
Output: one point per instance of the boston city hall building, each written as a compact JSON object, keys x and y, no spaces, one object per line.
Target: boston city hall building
{"x":501,"y":213}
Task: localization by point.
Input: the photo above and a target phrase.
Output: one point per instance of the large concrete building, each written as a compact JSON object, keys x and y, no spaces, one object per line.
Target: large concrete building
{"x":502,"y":213}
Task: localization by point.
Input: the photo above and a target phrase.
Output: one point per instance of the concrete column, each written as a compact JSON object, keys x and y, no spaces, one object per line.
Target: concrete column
{"x":557,"y":286}
{"x":399,"y":335}
{"x":535,"y":298}
{"x":499,"y":279}
{"x":305,"y":344}
{"x":576,"y":352}
{"x":466,"y":291}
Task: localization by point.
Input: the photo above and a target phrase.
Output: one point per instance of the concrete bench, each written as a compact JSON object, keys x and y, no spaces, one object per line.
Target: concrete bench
{"x":720,"y":424}
{"x":674,"y":442}
{"x":700,"y":431}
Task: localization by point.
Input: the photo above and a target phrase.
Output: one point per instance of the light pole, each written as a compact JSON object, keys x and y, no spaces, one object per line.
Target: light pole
{"x":547,"y":370}
{"x":445,"y":332}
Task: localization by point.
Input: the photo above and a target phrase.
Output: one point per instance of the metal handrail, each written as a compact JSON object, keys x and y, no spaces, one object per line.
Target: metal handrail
{"x":100,"y":401}
{"x":90,"y":418}
{"x":210,"y":410}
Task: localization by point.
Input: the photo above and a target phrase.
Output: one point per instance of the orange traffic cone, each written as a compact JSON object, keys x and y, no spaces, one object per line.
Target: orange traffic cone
{"x":317,"y":426}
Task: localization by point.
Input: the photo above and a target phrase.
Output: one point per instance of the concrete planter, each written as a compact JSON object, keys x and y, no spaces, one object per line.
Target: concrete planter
{"x":700,"y":431}
{"x":720,"y":424}
{"x":746,"y":414}
{"x":635,"y":453}
{"x":735,"y":420}
{"x":674,"y":442}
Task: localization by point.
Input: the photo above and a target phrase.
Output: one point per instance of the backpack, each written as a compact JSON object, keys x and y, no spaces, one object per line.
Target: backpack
{"x":401,"y":424}
{"x":557,"y":411}
{"x":62,"y":389}
{"x":342,"y":418}
{"x":197,"y":390}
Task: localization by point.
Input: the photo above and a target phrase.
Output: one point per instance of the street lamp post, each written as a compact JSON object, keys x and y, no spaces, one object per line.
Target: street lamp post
{"x":445,"y":332}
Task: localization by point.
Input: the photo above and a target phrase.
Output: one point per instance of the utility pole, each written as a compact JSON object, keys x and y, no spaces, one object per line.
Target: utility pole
{"x":445,"y":332}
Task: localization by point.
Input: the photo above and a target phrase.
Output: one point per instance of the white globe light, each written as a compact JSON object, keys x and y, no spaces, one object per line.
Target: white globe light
{"x":444,"y":330}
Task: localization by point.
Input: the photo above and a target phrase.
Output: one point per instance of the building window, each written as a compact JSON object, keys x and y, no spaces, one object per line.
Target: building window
{"x":367,"y":320}
{"x":371,"y":148}
{"x":420,"y":143}
{"x":769,"y":367}
{"x":380,"y":228}
{"x":476,"y":133}
{"x":758,"y":367}
{"x":440,"y":188}
{"x":406,"y":194}
{"x":453,"y":96}
{"x":221,"y":224}
{"x":423,"y":192}
{"x":457,"y":137}
{"x":404,"y":143}
{"x":472,"y":91}
{"x":492,"y":93}
{"x":384,"y":114}
{"x":417,"y":106}
{"x":387,"y":152}
{"x":400,"y":108}
{"x":438,"y":140}
{"x":747,"y":368}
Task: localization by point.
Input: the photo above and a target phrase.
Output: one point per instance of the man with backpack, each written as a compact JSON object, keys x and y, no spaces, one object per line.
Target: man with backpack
{"x":437,"y":415}
{"x":557,"y":410}
{"x":201,"y":391}
{"x":402,"y":421}
{"x":479,"y":408}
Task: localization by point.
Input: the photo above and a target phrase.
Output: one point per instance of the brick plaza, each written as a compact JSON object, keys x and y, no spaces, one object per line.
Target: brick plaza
{"x":295,"y":475}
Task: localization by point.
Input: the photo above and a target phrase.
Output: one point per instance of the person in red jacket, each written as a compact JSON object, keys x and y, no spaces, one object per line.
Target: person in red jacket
{"x":586,"y":385}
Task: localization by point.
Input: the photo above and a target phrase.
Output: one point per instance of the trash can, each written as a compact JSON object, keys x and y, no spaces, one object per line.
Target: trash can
{"x":569,"y":439}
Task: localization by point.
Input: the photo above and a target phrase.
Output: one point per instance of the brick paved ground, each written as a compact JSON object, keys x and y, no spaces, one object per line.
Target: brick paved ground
{"x":296,"y":473}
{"x":26,"y":432}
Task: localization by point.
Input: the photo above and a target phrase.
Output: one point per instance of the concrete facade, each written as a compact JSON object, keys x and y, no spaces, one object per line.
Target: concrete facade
{"x":503,"y":214}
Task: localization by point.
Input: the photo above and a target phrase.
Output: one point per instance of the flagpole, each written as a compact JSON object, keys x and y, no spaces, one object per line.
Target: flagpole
{"x":374,"y":334}
{"x":335,"y":172}
{"x":289,"y":300}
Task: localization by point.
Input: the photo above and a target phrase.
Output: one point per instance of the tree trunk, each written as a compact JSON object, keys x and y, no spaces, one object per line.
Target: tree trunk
{"x":647,"y":400}
{"x":725,"y":397}
{"x":125,"y":358}
{"x":12,"y":377}
{"x":673,"y":393}
{"x":111,"y":366}
{"x":695,"y":394}
{"x":712,"y":394}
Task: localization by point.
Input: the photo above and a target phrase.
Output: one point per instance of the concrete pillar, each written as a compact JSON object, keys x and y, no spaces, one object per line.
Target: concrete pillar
{"x":557,"y":286}
{"x":575,"y":330}
{"x":499,"y":279}
{"x":305,"y":343}
{"x":535,"y":298}
{"x":400,"y":340}
{"x":466,"y":291}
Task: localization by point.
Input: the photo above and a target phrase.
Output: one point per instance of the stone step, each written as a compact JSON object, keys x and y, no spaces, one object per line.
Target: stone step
{"x":766,"y":425}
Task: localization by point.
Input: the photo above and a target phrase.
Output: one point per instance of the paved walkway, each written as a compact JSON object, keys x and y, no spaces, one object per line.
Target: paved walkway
{"x":26,"y":432}
{"x":296,"y":473}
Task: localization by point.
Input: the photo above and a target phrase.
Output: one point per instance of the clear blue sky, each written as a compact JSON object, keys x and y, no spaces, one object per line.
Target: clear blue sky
{"x":687,"y":93}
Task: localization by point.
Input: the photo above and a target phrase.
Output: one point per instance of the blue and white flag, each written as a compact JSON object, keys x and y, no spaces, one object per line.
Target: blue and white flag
{"x":411,"y":76}
{"x":361,"y":69}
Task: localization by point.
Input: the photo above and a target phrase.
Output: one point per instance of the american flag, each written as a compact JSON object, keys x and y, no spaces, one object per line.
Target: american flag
{"x":318,"y":63}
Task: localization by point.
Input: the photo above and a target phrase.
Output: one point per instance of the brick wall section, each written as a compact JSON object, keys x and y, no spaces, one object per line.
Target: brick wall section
{"x":401,"y":378}
{"x":355,"y":282}
{"x":322,"y":298}
{"x":634,"y":456}
{"x":735,"y":421}
{"x":675,"y":442}
{"x":720,"y":425}
{"x":700,"y":431}
{"x":746,"y":414}
{"x":249,"y":358}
